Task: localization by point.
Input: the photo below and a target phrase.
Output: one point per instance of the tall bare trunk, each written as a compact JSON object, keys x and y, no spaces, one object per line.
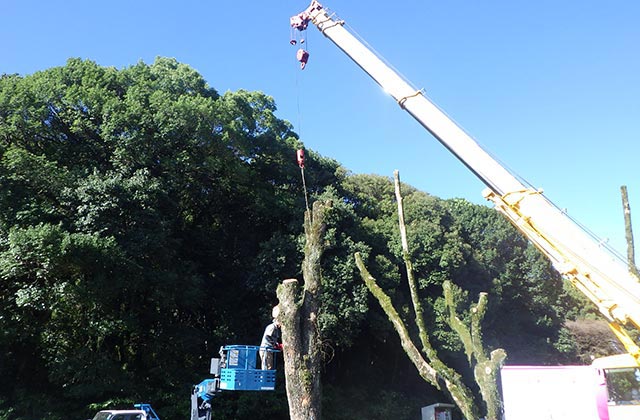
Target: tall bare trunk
{"x":298,"y":316}
{"x":631,"y":259}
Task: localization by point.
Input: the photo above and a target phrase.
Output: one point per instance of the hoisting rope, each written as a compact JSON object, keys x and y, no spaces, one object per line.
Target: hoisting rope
{"x":300,"y":156}
{"x":299,"y":24}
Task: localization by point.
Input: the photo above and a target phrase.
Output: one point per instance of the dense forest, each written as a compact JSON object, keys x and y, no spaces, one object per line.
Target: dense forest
{"x":146,"y":220}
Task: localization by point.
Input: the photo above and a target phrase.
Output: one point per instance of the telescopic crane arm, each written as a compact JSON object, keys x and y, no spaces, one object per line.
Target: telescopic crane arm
{"x":574,"y":253}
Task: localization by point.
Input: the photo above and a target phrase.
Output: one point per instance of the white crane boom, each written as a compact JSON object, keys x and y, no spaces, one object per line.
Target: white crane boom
{"x":575,"y":254}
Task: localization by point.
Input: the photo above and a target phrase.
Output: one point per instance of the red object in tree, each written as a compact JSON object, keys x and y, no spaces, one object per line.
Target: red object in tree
{"x":301,"y":158}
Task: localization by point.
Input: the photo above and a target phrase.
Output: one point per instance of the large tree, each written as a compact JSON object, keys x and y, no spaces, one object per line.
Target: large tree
{"x":133,"y":204}
{"x":146,"y":219}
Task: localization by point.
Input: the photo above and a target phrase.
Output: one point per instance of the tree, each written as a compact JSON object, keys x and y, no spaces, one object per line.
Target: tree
{"x":133,"y":205}
{"x":428,"y":363}
{"x":145,"y":220}
{"x":299,"y":317}
{"x":485,"y":369}
{"x":520,"y":280}
{"x":431,"y":368}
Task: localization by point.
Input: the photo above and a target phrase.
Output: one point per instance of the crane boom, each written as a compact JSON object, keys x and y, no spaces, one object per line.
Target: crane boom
{"x":604,"y":279}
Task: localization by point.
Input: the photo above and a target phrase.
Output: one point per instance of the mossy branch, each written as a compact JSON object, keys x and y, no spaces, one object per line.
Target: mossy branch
{"x":485,"y":369}
{"x":454,"y":322}
{"x":427,"y":372}
{"x":477,"y":315}
{"x":453,"y":383}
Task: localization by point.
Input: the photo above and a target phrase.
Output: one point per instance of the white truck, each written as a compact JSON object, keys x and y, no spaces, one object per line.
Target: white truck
{"x":581,"y":259}
{"x":140,"y":412}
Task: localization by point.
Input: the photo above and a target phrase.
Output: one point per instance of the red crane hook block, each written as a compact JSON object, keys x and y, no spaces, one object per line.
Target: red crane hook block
{"x":303,"y":57}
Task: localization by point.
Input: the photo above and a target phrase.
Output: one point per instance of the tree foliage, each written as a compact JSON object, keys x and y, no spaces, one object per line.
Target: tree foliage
{"x":134,"y":203}
{"x":146,"y":219}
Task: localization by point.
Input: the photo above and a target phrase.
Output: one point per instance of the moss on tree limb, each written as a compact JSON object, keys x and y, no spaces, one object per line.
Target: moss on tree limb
{"x":432,"y":369}
{"x":452,"y":381}
{"x":628,"y":230}
{"x":485,"y":369}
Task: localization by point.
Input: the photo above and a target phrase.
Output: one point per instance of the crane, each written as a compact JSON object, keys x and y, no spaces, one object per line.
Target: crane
{"x":580,"y":259}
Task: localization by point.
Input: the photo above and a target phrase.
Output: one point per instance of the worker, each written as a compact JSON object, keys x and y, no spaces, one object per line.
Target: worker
{"x":270,"y":340}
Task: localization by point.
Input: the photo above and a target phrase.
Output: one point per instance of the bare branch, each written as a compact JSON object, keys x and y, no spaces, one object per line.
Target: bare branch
{"x":413,"y":286}
{"x":631,"y":259}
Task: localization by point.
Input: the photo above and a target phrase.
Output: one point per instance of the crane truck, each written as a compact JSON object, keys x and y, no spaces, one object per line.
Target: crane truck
{"x":579,"y":257}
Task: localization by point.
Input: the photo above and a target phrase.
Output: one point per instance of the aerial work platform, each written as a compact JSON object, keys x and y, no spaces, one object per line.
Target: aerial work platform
{"x":241,"y":371}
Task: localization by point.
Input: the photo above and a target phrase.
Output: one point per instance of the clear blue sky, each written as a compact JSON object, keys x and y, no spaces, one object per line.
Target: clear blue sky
{"x":549,"y":87}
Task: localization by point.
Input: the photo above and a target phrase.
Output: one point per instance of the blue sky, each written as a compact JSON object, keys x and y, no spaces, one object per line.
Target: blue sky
{"x":550,"y":88}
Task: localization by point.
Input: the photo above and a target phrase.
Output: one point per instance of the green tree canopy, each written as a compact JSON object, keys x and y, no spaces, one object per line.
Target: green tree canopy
{"x":134,"y":203}
{"x":145,"y":220}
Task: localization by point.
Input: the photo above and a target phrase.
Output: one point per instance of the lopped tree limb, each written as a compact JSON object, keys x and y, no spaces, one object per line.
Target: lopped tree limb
{"x":450,"y":375}
{"x":459,"y":392}
{"x":485,"y":370}
{"x":427,"y":372}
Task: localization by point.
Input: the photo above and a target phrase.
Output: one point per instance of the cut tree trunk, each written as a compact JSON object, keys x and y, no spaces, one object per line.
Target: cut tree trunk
{"x":298,"y":317}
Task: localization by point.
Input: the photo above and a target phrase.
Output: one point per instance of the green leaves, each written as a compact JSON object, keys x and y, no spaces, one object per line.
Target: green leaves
{"x":145,"y":219}
{"x":119,"y":199}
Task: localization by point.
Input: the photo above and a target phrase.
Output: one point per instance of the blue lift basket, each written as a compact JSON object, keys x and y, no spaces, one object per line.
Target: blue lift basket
{"x":238,"y":369}
{"x":241,"y":370}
